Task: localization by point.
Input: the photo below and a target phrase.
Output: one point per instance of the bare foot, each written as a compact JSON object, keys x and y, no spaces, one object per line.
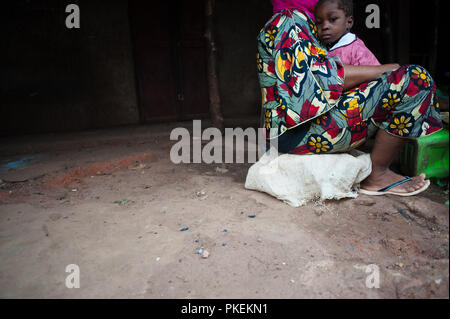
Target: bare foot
{"x":381,"y":179}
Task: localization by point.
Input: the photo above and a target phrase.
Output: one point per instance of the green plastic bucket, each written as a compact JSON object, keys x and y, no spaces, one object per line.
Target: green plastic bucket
{"x":427,"y":155}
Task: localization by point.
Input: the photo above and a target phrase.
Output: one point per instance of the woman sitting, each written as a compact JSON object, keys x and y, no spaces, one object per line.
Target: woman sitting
{"x":315,"y":105}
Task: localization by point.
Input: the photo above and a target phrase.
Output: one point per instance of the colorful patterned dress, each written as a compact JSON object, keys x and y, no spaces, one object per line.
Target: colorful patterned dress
{"x":304,"y":103}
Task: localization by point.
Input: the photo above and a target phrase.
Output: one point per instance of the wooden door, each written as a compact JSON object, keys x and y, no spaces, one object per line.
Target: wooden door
{"x":170,"y":57}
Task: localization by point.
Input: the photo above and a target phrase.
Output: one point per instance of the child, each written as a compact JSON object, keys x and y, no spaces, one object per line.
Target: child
{"x":334,"y":19}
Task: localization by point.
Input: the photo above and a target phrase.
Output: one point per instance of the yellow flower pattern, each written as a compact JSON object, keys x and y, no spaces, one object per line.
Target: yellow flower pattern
{"x":259,"y":62}
{"x":390,"y":101}
{"x":421,"y":77}
{"x":270,"y":37}
{"x":321,"y":119}
{"x":268,"y":118}
{"x":313,"y":29}
{"x":401,"y":125}
{"x":318,"y":144}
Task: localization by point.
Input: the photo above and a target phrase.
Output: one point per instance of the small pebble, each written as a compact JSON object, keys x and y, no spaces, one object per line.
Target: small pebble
{"x":205,"y":254}
{"x":201,"y":193}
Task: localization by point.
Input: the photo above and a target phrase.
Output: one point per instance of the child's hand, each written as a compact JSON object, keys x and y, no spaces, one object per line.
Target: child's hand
{"x":390,"y":67}
{"x":355,"y":75}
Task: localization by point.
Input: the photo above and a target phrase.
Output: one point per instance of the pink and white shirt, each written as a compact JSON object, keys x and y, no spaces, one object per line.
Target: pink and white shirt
{"x":352,"y":51}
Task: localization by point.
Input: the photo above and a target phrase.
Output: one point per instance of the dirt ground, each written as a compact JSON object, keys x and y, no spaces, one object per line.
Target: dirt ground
{"x":112,"y":202}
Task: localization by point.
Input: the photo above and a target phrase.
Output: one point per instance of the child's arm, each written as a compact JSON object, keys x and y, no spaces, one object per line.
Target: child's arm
{"x":357,"y":74}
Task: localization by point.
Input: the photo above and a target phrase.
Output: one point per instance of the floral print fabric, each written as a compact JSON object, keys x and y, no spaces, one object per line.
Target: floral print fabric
{"x":303,"y":100}
{"x":402,"y":103}
{"x":298,"y":81}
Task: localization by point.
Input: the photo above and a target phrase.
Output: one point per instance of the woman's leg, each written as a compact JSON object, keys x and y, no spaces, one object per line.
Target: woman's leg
{"x":384,"y":152}
{"x":420,"y":118}
{"x":398,"y":105}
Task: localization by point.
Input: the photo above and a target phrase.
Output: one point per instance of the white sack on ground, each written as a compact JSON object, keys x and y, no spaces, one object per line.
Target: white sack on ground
{"x":298,"y":179}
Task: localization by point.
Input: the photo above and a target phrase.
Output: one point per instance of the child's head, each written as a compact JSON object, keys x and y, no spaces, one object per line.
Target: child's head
{"x":334,"y":18}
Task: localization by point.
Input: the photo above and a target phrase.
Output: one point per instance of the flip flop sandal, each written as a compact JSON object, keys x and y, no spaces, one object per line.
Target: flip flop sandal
{"x":385,"y":190}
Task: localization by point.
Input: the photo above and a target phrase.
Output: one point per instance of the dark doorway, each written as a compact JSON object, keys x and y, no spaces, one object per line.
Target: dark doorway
{"x":170,"y":55}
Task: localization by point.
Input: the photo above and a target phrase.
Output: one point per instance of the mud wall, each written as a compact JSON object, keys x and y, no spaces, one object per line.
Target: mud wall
{"x":59,"y":79}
